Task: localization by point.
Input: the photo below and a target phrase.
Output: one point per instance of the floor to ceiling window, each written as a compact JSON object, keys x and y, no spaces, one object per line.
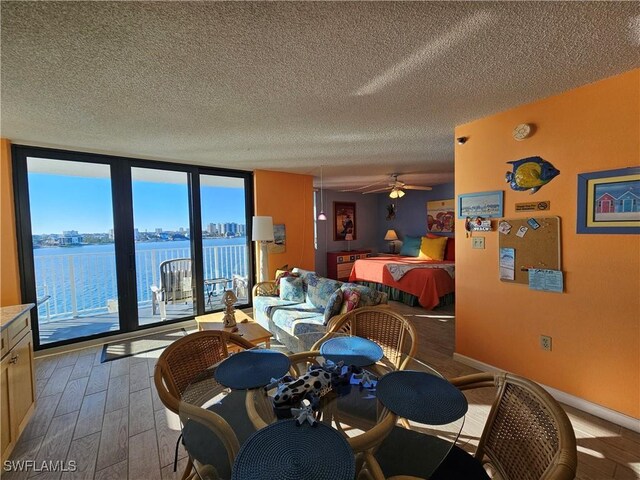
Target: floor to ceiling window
{"x":224,"y":239}
{"x":73,"y":251}
{"x":110,"y":244}
{"x":164,"y":277}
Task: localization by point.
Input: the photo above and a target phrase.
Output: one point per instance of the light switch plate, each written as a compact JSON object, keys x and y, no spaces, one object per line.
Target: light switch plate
{"x":478,"y":242}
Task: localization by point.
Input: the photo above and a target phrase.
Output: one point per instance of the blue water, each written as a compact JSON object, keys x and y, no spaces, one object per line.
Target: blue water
{"x":92,"y":268}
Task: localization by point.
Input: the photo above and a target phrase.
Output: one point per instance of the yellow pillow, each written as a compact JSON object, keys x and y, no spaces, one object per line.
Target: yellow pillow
{"x":432,"y":248}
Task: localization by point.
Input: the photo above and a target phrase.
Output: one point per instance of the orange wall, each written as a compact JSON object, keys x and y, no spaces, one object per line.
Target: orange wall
{"x":288,"y":198}
{"x":595,"y":323}
{"x":9,"y":276}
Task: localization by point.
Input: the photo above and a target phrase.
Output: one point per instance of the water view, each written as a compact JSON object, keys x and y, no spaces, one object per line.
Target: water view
{"x":81,"y":280}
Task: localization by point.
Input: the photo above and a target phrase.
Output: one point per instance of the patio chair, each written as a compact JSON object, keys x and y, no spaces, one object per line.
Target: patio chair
{"x":527,"y":436}
{"x":175,"y":285}
{"x":182,"y":361}
{"x":240,"y":286}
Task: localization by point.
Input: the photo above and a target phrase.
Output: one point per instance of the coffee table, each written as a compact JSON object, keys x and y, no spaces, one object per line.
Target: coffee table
{"x":249,"y":330}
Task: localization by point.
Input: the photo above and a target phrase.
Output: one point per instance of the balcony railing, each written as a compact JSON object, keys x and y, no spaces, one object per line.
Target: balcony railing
{"x":83,"y":284}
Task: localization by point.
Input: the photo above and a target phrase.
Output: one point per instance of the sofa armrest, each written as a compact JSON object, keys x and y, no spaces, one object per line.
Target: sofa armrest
{"x":264,"y":289}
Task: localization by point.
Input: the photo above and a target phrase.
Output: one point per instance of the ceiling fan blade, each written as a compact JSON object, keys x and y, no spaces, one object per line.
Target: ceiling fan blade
{"x":416,"y":187}
{"x":362,"y":188}
{"x":378,"y":190}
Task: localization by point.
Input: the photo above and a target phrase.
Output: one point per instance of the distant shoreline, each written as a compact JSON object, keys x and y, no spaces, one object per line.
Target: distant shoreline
{"x":155,"y":240}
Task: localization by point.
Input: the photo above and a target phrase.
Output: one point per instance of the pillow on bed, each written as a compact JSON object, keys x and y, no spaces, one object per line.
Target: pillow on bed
{"x":432,"y":248}
{"x":450,"y":249}
{"x":410,"y":246}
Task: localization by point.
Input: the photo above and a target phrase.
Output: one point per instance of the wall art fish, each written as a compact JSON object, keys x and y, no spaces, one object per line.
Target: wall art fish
{"x":531,"y":173}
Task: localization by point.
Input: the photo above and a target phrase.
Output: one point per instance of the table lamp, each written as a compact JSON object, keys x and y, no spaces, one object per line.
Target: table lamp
{"x":262,"y":232}
{"x":348,"y":237}
{"x":391,"y":237}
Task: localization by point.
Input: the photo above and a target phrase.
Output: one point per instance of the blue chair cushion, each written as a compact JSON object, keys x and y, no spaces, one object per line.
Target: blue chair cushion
{"x":406,"y":452}
{"x":205,"y":446}
{"x":459,"y":464}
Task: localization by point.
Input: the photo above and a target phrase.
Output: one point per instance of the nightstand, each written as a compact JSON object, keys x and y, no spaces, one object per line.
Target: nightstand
{"x":339,"y":264}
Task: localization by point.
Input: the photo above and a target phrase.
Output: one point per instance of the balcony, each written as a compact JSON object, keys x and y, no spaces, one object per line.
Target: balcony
{"x":77,"y":292}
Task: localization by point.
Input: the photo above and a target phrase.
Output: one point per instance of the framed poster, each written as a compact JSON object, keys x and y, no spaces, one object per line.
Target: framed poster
{"x":344,"y":214}
{"x":609,"y":201}
{"x":279,"y":240}
{"x":441,"y":216}
{"x":483,"y":204}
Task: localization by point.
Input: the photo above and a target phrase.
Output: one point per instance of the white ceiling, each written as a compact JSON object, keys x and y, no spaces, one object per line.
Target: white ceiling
{"x":364,"y":89}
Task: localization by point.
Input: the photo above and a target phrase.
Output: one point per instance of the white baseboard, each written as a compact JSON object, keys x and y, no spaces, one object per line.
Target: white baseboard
{"x":566,"y":398}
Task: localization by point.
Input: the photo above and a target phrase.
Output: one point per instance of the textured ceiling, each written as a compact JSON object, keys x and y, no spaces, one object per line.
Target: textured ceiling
{"x":363,"y":88}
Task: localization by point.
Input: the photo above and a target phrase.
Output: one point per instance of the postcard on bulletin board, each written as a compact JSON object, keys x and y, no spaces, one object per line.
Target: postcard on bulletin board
{"x":546,"y":280}
{"x":507,"y":264}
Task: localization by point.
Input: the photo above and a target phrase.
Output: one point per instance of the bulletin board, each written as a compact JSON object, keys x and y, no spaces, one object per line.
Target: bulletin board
{"x":538,"y":248}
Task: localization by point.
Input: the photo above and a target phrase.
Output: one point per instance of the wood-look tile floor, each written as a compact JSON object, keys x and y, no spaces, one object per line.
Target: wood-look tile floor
{"x":108,"y":418}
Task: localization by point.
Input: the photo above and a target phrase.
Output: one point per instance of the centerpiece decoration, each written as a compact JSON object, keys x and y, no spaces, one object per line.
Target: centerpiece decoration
{"x":300,"y":397}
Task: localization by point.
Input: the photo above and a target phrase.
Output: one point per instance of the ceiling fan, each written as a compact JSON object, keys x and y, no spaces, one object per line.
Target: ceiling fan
{"x":396,"y":188}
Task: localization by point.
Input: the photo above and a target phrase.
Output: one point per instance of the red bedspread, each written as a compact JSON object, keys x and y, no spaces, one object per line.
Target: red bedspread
{"x":428,"y":284}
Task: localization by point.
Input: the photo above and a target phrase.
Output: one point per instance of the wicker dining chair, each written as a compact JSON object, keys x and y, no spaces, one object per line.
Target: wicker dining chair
{"x":184,"y":359}
{"x":527,"y":436}
{"x":215,"y":440}
{"x":394,"y":333}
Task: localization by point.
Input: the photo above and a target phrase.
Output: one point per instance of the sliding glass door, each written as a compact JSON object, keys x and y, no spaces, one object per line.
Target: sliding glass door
{"x":73,"y":252}
{"x":225,"y":248}
{"x":111,"y":244}
{"x":164,"y":277}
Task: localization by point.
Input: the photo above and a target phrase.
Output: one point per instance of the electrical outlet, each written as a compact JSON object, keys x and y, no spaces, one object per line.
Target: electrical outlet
{"x":545,"y":342}
{"x":477,"y":242}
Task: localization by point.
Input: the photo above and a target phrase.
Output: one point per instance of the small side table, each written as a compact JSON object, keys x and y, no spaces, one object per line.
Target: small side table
{"x":250,"y":330}
{"x":210,"y":287}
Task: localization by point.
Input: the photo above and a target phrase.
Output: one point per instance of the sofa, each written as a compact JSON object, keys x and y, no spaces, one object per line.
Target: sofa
{"x":298,"y":319}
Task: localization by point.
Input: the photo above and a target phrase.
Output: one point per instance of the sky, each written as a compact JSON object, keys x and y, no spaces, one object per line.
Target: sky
{"x":617,"y":188}
{"x":60,"y":202}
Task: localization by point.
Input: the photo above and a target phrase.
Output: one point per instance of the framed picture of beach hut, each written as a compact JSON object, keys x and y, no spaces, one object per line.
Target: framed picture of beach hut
{"x":609,"y":201}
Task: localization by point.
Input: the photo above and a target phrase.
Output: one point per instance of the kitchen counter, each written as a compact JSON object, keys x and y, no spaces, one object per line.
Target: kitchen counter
{"x":9,"y":314}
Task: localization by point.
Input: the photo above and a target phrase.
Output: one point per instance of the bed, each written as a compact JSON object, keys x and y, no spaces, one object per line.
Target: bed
{"x":428,"y":280}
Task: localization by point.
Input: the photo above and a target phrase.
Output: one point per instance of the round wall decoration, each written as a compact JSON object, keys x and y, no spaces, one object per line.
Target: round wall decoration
{"x":521,"y":131}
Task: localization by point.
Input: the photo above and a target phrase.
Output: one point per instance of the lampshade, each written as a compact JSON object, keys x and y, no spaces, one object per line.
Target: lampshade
{"x":391,"y":235}
{"x":262,"y":229}
{"x":322,"y":216}
{"x":396,"y":193}
{"x":348,"y":237}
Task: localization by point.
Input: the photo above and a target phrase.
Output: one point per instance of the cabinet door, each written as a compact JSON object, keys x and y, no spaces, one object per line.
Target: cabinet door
{"x":7,"y":430}
{"x":21,"y":378}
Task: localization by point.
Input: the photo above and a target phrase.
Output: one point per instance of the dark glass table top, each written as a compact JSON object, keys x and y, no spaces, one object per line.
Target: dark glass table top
{"x":345,"y":404}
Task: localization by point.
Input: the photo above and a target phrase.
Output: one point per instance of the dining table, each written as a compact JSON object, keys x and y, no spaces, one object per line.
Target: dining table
{"x":263,"y":407}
